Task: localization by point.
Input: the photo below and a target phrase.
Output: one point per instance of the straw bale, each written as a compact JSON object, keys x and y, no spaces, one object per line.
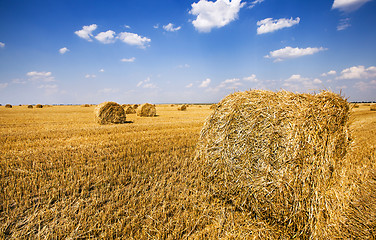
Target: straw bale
{"x":182,"y":107}
{"x":109,"y":112}
{"x":146,"y":110}
{"x":85,"y":105}
{"x":8,"y":106}
{"x":39,"y":106}
{"x":275,"y":154}
{"x":372,"y":107}
{"x":135,"y":106}
{"x":30,"y":106}
{"x":129,"y":110}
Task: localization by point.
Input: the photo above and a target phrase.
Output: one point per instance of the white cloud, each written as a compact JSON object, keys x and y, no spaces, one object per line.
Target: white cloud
{"x":298,"y":83}
{"x":358,"y":72}
{"x":331,"y":72}
{"x":343,"y":24}
{"x":348,"y":5}
{"x":146,"y":83}
{"x":189,"y":85}
{"x":40,"y":76}
{"x":2,"y":44}
{"x":205,"y":83}
{"x":101,"y":70}
{"x":134,"y":39}
{"x":106,"y":37}
{"x":251,"y":78}
{"x":170,"y":28}
{"x":128,"y":59}
{"x":214,"y":14}
{"x":90,"y":76}
{"x":156,"y":26}
{"x":63,"y":50}
{"x":252,"y":4}
{"x":108,"y":90}
{"x":270,"y":25}
{"x":3,"y":85}
{"x":127,"y":26}
{"x":86,"y":32}
{"x":289,"y":52}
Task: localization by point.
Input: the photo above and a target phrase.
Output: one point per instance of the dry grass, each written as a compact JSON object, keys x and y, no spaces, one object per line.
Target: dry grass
{"x":372,"y":107}
{"x":75,"y":179}
{"x":109,"y":112}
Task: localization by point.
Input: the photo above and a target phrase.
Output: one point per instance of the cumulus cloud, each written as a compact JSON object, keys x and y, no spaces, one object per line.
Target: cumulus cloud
{"x":289,"y":52}
{"x":2,"y":44}
{"x":40,"y":76}
{"x":134,"y":39}
{"x":331,"y":72}
{"x":270,"y":25}
{"x":358,"y":72}
{"x":106,"y":37}
{"x":63,"y":50}
{"x":205,"y":83}
{"x":86,"y":32}
{"x":128,"y":59}
{"x":189,"y":85}
{"x":296,"y":82}
{"x":214,"y":14}
{"x":170,"y":28}
{"x":3,"y":85}
{"x":348,"y":5}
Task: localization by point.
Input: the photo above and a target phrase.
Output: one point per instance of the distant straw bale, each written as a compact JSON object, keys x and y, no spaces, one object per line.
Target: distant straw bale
{"x":8,"y":106}
{"x":129,"y":110}
{"x":109,"y":112}
{"x":146,"y":110}
{"x":135,"y":106}
{"x":39,"y":106}
{"x":182,"y":107}
{"x":372,"y":107}
{"x":85,"y":105}
{"x":275,"y":155}
{"x":29,"y":106}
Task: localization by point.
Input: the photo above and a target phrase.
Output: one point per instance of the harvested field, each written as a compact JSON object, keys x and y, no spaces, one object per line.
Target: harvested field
{"x":73,"y":178}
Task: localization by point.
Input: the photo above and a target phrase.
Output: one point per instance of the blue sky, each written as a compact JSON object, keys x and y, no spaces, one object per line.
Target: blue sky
{"x":86,"y":51}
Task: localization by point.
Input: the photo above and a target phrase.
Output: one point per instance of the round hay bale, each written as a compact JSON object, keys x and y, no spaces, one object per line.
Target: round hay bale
{"x":135,"y":106}
{"x":29,"y":106}
{"x":276,"y":155}
{"x":372,"y":107}
{"x":129,"y":110}
{"x":109,"y":112}
{"x":85,"y":105}
{"x":182,"y":107}
{"x":39,"y":106}
{"x":146,"y":110}
{"x":8,"y":106}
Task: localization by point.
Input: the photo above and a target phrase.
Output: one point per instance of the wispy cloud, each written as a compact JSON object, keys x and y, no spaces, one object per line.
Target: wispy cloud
{"x":343,"y":24}
{"x":2,"y":44}
{"x":90,"y":76}
{"x":170,"y":28}
{"x":132,"y":59}
{"x":348,"y":5}
{"x":270,"y":25}
{"x":189,"y":85}
{"x":214,"y":14}
{"x":205,"y":83}
{"x":289,"y":52}
{"x":40,"y":76}
{"x":254,"y":3}
{"x":146,"y":83}
{"x":3,"y":85}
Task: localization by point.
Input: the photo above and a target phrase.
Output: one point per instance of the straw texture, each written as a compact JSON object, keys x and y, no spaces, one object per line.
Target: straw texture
{"x":109,"y":112}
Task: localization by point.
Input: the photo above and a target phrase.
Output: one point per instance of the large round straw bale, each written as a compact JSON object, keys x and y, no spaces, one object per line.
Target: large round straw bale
{"x":146,"y":110}
{"x":29,"y":106}
{"x":135,"y":106}
{"x":129,"y":110}
{"x":276,"y":154}
{"x":109,"y":112}
{"x":182,"y":107}
{"x":39,"y":106}
{"x":372,"y":107}
{"x":8,"y":106}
